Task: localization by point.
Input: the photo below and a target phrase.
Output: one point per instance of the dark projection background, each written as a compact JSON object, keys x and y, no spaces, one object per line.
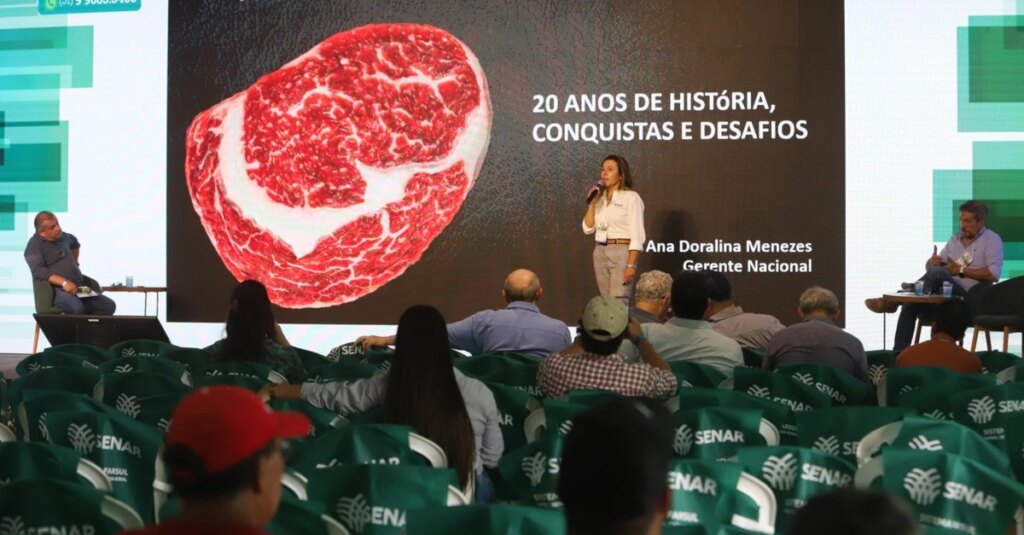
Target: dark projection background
{"x":525,"y":207}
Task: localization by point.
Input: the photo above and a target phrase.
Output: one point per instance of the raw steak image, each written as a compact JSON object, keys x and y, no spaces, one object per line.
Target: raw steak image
{"x":332,"y":175}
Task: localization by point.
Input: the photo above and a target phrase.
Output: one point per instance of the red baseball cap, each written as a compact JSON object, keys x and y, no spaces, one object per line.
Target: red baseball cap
{"x":224,"y":425}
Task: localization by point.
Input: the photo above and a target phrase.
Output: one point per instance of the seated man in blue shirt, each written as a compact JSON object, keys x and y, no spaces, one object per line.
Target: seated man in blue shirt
{"x":52,"y":255}
{"x":973,"y":255}
{"x":518,"y":328}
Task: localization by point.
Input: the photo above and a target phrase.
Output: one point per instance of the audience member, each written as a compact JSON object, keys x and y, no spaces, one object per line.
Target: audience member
{"x":422,"y":390}
{"x":949,"y":323}
{"x":223,"y":454}
{"x":653,"y":290}
{"x":853,"y":512}
{"x":687,"y":336}
{"x":519,"y":327}
{"x":749,"y":329}
{"x":817,"y":339}
{"x":253,"y":335}
{"x":612,"y":475}
{"x":592,"y":362}
{"x":971,"y":256}
{"x":52,"y":256}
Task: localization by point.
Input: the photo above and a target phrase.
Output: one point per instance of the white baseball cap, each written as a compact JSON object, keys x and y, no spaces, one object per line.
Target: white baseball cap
{"x":605,"y":318}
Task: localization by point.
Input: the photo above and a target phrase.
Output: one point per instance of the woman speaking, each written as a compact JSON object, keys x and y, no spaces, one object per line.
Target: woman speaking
{"x":615,"y":215}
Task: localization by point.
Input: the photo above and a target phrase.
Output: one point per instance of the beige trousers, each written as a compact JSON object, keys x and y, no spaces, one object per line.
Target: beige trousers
{"x":609,"y":266}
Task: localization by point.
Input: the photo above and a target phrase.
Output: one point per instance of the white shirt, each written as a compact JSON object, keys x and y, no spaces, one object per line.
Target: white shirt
{"x":622,"y":218}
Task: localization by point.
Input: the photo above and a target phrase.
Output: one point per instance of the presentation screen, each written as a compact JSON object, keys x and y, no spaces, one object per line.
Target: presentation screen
{"x":358,"y":157}
{"x":379,"y":154}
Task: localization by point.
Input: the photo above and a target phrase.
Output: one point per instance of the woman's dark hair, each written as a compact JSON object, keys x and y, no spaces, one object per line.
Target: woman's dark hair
{"x":250,"y":321}
{"x":422,"y":391}
{"x":627,"y":178}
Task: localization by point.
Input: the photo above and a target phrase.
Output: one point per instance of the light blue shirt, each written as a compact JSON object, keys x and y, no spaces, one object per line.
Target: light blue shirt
{"x":518,"y":328}
{"x":986,"y":251}
{"x":692,"y":341}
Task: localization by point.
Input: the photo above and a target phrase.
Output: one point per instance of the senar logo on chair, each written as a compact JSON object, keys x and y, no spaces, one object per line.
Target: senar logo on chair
{"x":923,"y":485}
{"x":981,"y":410}
{"x":357,"y":513}
{"x":828,"y":444}
{"x":16,"y":526}
{"x":923,"y":443}
{"x":84,"y":440}
{"x":128,"y":405}
{"x":692,"y":483}
{"x":683,"y":440}
{"x":354,"y":511}
{"x":780,"y":472}
{"x":535,"y":466}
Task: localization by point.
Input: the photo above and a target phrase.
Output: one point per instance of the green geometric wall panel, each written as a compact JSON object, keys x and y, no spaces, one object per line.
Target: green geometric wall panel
{"x":990,"y":78}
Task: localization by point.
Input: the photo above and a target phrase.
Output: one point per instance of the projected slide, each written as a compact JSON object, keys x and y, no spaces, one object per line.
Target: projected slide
{"x":377,"y":154}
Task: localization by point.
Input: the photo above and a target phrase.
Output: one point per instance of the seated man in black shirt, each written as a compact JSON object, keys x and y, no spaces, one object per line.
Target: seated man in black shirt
{"x":52,"y":255}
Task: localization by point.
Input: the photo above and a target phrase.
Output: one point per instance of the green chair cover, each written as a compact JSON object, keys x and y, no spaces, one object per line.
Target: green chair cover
{"x":715,"y":433}
{"x":529,"y":474}
{"x":343,"y":371}
{"x":36,"y":460}
{"x":479,"y":367}
{"x":776,"y":413}
{"x":311,"y":360}
{"x":948,"y":492}
{"x":779,"y":388}
{"x":752,"y":358}
{"x":126,"y":450}
{"x":157,"y":410}
{"x":514,"y":405}
{"x":589,"y":398}
{"x":899,"y":381}
{"x":985,"y":409}
{"x":123,"y":390}
{"x":52,"y":359}
{"x":38,"y":506}
{"x":36,"y":404}
{"x":323,"y":420}
{"x":74,"y":380}
{"x":703,"y":492}
{"x":374,"y":499}
{"x":193,"y":358}
{"x":520,"y":377}
{"x":694,"y":375}
{"x":795,"y":475}
{"x":880,"y":361}
{"x":95,"y":354}
{"x":996,"y":361}
{"x":140,"y":348}
{"x":257,"y":371}
{"x":838,"y":431}
{"x":928,"y":434}
{"x":356,"y":444}
{"x":482,"y":519}
{"x":558,"y":415}
{"x":169,"y":368}
{"x":841,"y":387}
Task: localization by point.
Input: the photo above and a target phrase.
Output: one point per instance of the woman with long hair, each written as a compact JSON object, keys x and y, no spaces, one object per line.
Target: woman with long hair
{"x":615,"y":216}
{"x":421,"y":390}
{"x":252,"y":334}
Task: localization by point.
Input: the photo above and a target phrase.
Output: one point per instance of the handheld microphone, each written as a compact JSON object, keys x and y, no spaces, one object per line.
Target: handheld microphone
{"x":595,"y":191}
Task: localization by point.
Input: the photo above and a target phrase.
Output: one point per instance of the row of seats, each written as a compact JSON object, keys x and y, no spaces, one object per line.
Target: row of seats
{"x":805,"y":416}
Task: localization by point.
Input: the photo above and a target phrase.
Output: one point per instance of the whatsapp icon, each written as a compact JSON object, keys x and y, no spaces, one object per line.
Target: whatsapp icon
{"x":50,"y":5}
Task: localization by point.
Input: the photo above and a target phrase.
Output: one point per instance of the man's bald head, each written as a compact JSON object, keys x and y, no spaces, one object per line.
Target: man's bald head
{"x":522,"y":285}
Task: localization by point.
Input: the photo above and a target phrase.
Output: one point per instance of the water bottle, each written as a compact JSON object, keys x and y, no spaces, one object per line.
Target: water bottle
{"x":947,"y":289}
{"x":919,"y":288}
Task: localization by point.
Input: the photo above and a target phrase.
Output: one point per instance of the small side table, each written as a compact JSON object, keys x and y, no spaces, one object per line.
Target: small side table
{"x":145,"y":291}
{"x":908,"y":297}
